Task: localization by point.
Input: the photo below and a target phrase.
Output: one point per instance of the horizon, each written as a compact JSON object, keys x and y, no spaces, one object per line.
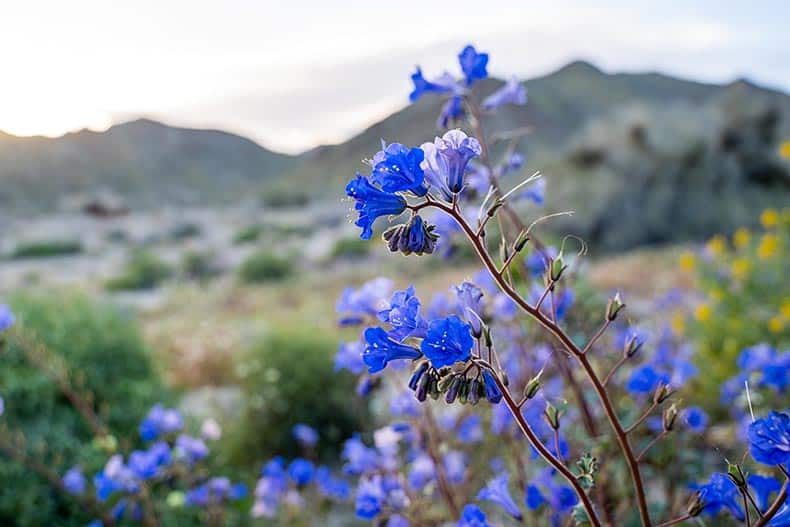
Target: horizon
{"x":289,"y":77}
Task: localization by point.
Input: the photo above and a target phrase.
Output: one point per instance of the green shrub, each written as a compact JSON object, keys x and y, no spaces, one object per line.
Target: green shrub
{"x":352,"y":247}
{"x":185,"y":231}
{"x":46,"y":249}
{"x":105,"y":355}
{"x":287,"y":378}
{"x":248,"y":234}
{"x":264,"y":266}
{"x":143,"y":271}
{"x":198,"y":266}
{"x":285,"y":196}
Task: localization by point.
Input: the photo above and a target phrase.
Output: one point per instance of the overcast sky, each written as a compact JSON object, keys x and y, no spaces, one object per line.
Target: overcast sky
{"x":294,"y":74}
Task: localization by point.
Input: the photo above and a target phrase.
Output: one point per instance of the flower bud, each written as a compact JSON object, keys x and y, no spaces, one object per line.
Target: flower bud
{"x":495,"y":207}
{"x":463,"y":392}
{"x":632,"y":346}
{"x":552,"y":415}
{"x":422,"y":388}
{"x":556,"y":267}
{"x":474,"y":392}
{"x":433,"y":388}
{"x":614,"y":306}
{"x":669,"y":416}
{"x":737,"y":476}
{"x":421,"y":368}
{"x":521,"y":241}
{"x":445,"y":382}
{"x":696,"y":504}
{"x":505,"y":377}
{"x":663,"y":392}
{"x":453,"y":389}
{"x":487,"y":336}
{"x":533,"y":386}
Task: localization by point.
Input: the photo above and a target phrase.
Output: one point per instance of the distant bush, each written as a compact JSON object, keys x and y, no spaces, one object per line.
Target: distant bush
{"x":285,"y":196}
{"x":46,"y":249}
{"x":185,"y":231}
{"x":248,"y":234}
{"x":351,"y":247}
{"x":143,"y":271}
{"x":288,"y":378}
{"x":103,"y":351}
{"x":264,"y":266}
{"x":199,"y":266}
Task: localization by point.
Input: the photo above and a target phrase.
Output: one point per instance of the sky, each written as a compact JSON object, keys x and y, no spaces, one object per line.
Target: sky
{"x":299,"y":73}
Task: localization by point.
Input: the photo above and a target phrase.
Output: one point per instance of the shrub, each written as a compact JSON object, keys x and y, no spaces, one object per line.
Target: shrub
{"x":288,"y":378}
{"x":47,"y":249}
{"x":103,"y":350}
{"x":248,"y":234}
{"x":285,"y":196}
{"x":351,"y":247}
{"x":198,"y":266}
{"x":264,"y":266}
{"x":142,"y":271}
{"x":185,"y":231}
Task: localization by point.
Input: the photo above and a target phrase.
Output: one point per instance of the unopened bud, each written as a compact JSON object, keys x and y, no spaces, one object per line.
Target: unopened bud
{"x":421,"y":368}
{"x":463,"y":392}
{"x":433,"y":388}
{"x":669,"y":416}
{"x":737,"y":476}
{"x":453,"y":389}
{"x":474,"y":392}
{"x":663,"y":392}
{"x":632,"y":346}
{"x":614,"y":307}
{"x":521,"y":241}
{"x":557,"y":267}
{"x":495,"y":207}
{"x":533,"y":386}
{"x":552,"y":415}
{"x":422,"y":388}
{"x":487,"y":336}
{"x":696,"y":504}
{"x":505,"y":378}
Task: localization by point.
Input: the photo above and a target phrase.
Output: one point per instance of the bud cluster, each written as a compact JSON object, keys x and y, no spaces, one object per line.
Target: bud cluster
{"x":462,"y":387}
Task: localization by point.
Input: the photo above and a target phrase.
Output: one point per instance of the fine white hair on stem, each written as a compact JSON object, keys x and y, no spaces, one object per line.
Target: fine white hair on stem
{"x":484,"y":203}
{"x":530,"y":179}
{"x":548,"y":216}
{"x":749,"y":398}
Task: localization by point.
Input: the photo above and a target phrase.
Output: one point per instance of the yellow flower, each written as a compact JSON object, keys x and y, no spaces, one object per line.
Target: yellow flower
{"x":776,"y":325}
{"x":716,"y":245}
{"x":741,"y":238}
{"x":740,"y":268}
{"x":784,"y":149}
{"x":769,"y":244}
{"x":785,"y":309}
{"x":769,"y":218}
{"x":687,"y":261}
{"x":703,"y":312}
{"x":678,"y":323}
{"x":716,"y":294}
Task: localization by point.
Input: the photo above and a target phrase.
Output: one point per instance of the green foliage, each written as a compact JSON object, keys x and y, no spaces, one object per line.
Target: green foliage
{"x":198,"y":266}
{"x":288,"y":377}
{"x":248,"y":234}
{"x":350,"y":247}
{"x":103,"y":352}
{"x":185,"y":231}
{"x":283,"y":196}
{"x":143,"y":271}
{"x":46,"y":249}
{"x":263,"y":266}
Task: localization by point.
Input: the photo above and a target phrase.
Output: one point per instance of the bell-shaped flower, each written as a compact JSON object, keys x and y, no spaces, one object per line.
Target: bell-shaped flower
{"x":380,"y":349}
{"x":497,"y":491}
{"x":512,"y":92}
{"x":473,"y":64}
{"x":372,"y":203}
{"x":443,"y":84}
{"x":397,"y":169}
{"x":769,"y":439}
{"x":448,"y":340}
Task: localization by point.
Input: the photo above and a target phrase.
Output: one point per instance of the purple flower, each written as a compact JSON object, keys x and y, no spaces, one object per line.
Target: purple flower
{"x":191,"y":448}
{"x":160,"y":420}
{"x":720,"y":492}
{"x":448,"y":340}
{"x":403,"y":314}
{"x":497,"y":491}
{"x":306,"y":435}
{"x":6,"y":317}
{"x":422,"y":472}
{"x":769,"y":439}
{"x":349,"y":357}
{"x":356,"y":304}
{"x":446,"y":161}
{"x":396,"y":520}
{"x":330,"y":486}
{"x":473,"y":64}
{"x":397,"y":169}
{"x":301,"y":471}
{"x":452,"y":112}
{"x":372,"y":203}
{"x":74,"y":481}
{"x":472,"y":517}
{"x":695,"y":418}
{"x":512,"y":92}
{"x":146,"y":464}
{"x":359,"y":457}
{"x":470,"y":303}
{"x":380,"y":349}
{"x":443,"y":84}
{"x":370,"y":498}
{"x":455,"y":463}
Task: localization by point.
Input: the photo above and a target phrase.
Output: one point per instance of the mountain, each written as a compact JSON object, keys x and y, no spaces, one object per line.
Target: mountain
{"x":145,"y":162}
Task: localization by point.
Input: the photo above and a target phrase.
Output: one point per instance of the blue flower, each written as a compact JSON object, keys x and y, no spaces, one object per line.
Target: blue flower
{"x":493,"y":393}
{"x":160,"y":420}
{"x":421,"y":86}
{"x":192,"y":449}
{"x":473,"y":64}
{"x":695,"y":418}
{"x":6,"y":317}
{"x":470,"y":303}
{"x":538,"y":261}
{"x":370,"y":498}
{"x":645,"y":379}
{"x":720,"y":492}
{"x":359,"y":457}
{"x":769,"y":439}
{"x":74,"y":481}
{"x":535,"y":192}
{"x":470,"y":429}
{"x":452,"y":111}
{"x":763,"y":487}
{"x":2,"y":406}
{"x":372,"y":203}
{"x":422,"y":472}
{"x":448,"y":340}
{"x":512,"y":92}
{"x":301,"y":471}
{"x":349,"y":357}
{"x":356,"y":304}
{"x":776,"y":374}
{"x":380,"y":349}
{"x":146,"y":464}
{"x":403,"y":314}
{"x":497,"y":491}
{"x":396,"y":520}
{"x":306,"y":435}
{"x":472,"y":516}
{"x":397,"y":169}
{"x":455,"y":463}
{"x":755,"y":357}
{"x":446,"y":161}
{"x":330,"y":486}
{"x":782,"y":518}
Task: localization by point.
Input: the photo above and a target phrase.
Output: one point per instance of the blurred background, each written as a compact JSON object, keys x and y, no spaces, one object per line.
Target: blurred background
{"x":172,"y":219}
